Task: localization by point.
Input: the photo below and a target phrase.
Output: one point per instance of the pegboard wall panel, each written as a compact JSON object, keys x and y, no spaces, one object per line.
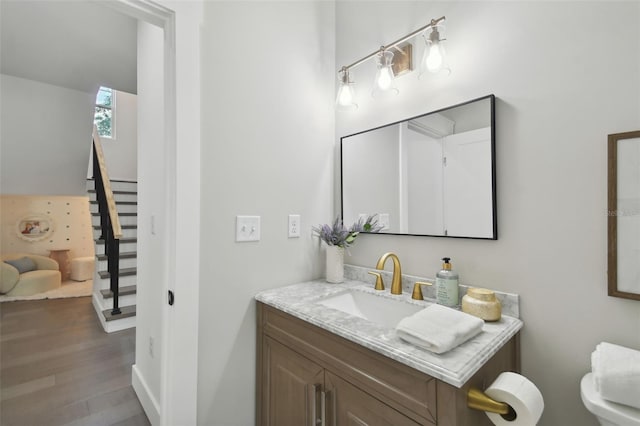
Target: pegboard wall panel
{"x":69,"y":220}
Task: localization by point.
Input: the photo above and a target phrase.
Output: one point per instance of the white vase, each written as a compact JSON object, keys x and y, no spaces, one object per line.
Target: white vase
{"x":335,"y":264}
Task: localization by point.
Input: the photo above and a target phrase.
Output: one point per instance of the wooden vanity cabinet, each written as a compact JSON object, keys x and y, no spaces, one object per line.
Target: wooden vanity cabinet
{"x":349,"y":405}
{"x":307,"y":376}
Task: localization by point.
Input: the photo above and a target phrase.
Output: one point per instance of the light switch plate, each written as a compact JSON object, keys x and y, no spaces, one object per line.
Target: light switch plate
{"x":247,"y":228}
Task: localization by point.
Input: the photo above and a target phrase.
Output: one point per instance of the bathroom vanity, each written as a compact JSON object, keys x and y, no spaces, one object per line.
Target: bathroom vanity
{"x":318,"y":364}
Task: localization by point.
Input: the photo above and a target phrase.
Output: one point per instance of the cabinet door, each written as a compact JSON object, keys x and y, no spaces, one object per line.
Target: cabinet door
{"x":349,"y":406}
{"x":292,"y":386}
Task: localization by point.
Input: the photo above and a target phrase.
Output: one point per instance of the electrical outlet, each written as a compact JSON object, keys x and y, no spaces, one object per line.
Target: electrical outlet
{"x":294,"y":226}
{"x":151,"y":346}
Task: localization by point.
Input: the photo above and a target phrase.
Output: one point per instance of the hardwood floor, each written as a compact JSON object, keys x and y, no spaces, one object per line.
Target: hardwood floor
{"x":58,"y":367}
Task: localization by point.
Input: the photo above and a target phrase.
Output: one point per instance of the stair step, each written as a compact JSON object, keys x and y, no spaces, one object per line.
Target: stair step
{"x":126,"y":312}
{"x":120,"y":196}
{"x":122,"y":241}
{"x":124,"y":220}
{"x":127,"y":208}
{"x":116,"y":185}
{"x":125,"y":246}
{"x":105,"y":284}
{"x":124,"y":255}
{"x":126,"y":232}
{"x":97,"y":227}
{"x":124,"y":291}
{"x":123,"y":203}
{"x":123,"y":263}
{"x":119,"y":214}
{"x":93,"y":191}
{"x":123,"y":273}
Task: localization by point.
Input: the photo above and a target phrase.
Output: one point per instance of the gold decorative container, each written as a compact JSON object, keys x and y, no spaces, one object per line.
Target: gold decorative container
{"x":482,"y":303}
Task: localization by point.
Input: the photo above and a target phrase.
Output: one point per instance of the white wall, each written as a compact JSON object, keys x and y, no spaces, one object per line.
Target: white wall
{"x":121,"y":152}
{"x":267,"y":150}
{"x":561,"y":85}
{"x":45,"y":138}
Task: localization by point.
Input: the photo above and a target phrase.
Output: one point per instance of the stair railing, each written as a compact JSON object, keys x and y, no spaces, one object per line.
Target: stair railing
{"x":110,"y":230}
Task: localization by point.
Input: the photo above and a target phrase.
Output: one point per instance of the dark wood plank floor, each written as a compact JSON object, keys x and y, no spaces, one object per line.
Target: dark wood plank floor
{"x":58,"y":367}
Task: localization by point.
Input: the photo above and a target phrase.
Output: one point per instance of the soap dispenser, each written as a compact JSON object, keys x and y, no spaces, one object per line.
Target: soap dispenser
{"x":447,"y":285}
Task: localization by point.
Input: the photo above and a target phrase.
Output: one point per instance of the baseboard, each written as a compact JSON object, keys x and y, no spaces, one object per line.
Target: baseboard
{"x":148,"y":402}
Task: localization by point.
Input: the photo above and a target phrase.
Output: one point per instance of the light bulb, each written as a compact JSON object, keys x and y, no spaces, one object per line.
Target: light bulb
{"x":345,"y":95}
{"x":384,"y":80}
{"x":435,"y":58}
{"x":345,"y":100}
{"x":385,"y":77}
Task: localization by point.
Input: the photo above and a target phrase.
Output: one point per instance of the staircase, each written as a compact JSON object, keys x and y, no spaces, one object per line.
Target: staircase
{"x":126,"y":196}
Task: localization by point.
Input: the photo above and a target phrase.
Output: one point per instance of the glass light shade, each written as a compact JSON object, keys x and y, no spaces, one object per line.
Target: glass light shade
{"x":384,"y":83}
{"x":434,"y":56}
{"x":346,"y":98}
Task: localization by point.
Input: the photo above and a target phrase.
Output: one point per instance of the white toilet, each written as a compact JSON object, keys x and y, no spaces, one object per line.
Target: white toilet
{"x":608,"y":413}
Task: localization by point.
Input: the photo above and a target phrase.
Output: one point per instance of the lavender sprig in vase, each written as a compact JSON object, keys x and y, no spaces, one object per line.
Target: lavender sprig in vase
{"x":338,"y":238}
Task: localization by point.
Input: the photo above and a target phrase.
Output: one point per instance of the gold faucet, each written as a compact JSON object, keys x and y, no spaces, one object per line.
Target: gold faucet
{"x":396,"y":281}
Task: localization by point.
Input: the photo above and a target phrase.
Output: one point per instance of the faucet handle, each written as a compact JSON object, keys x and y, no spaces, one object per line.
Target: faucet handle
{"x":379,"y":283}
{"x":417,"y":290}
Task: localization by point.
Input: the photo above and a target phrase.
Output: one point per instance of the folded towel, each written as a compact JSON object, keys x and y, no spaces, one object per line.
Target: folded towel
{"x":438,"y":328}
{"x":616,"y":373}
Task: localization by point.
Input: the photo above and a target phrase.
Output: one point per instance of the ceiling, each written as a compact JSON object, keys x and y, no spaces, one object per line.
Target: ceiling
{"x":79,"y":45}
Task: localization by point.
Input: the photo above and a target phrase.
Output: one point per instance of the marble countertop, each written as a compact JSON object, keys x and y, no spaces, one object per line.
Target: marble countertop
{"x":454,"y":367}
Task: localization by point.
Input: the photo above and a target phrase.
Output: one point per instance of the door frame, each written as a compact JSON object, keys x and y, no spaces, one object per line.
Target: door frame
{"x":180,"y":22}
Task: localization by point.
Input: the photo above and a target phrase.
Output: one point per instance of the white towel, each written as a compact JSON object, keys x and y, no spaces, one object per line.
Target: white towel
{"x":438,"y":328}
{"x":616,"y":373}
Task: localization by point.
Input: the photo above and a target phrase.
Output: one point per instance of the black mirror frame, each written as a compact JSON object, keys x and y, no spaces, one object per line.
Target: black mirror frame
{"x":493,"y":168}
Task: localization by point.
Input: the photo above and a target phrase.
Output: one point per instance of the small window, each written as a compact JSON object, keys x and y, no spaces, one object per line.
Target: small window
{"x":104,"y":117}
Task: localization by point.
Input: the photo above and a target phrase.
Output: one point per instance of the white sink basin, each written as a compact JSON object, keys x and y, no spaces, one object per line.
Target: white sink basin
{"x":378,"y":309}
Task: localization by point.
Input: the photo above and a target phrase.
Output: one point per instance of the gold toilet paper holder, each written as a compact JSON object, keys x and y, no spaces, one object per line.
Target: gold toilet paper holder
{"x":478,"y":400}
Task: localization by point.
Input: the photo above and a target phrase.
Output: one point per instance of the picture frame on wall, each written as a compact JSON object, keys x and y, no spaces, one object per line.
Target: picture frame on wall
{"x":34,"y":227}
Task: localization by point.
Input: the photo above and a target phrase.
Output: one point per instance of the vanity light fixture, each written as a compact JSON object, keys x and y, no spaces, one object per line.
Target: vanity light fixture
{"x":384,"y":84}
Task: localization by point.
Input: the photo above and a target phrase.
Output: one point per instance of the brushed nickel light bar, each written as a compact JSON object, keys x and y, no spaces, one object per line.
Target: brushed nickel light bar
{"x":433,"y":61}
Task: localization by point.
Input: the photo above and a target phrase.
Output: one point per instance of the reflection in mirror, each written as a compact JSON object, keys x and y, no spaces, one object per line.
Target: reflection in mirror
{"x":428,"y":175}
{"x":624,"y":215}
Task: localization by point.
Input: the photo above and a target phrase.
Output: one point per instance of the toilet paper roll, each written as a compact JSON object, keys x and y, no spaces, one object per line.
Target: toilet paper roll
{"x":521,"y":394}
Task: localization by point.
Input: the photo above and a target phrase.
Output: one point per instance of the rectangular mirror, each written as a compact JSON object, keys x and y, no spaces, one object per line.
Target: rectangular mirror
{"x":432,"y":175}
{"x":624,"y":215}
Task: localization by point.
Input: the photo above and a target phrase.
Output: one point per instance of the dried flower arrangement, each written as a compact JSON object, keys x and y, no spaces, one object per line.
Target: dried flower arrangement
{"x":341,"y":236}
